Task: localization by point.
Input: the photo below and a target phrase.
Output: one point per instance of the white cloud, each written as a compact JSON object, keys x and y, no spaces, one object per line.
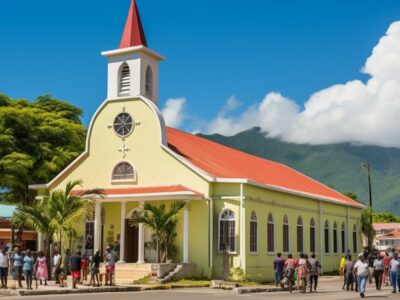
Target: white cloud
{"x":367,"y":113}
{"x":173,"y":111}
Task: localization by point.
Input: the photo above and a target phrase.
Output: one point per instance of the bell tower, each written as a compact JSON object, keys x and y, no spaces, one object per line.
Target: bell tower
{"x":133,"y":68}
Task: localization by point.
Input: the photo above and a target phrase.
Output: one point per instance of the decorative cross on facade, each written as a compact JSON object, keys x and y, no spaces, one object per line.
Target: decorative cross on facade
{"x":123,"y":150}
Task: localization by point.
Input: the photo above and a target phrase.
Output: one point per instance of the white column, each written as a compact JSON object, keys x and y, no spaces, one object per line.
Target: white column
{"x":186,"y":234}
{"x":122,"y":234}
{"x":40,"y":241}
{"x":141,"y":245}
{"x":242,"y":229}
{"x":97,"y":226}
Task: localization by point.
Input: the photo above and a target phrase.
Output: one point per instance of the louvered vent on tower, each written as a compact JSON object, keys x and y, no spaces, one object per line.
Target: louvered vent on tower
{"x":125,"y":81}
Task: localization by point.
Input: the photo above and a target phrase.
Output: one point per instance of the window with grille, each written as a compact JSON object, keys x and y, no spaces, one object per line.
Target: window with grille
{"x":149,"y":82}
{"x":343,"y":237}
{"x":285,"y":234}
{"x":326,"y":237}
{"x":123,"y":171}
{"x":335,"y":238}
{"x":123,"y":124}
{"x":312,"y":236}
{"x":270,"y":234}
{"x":300,"y":235}
{"x":125,"y":80}
{"x":253,"y":232}
{"x":355,"y":250}
{"x":227,"y":231}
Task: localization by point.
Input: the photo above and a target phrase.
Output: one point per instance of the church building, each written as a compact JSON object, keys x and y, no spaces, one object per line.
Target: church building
{"x":250,"y":206}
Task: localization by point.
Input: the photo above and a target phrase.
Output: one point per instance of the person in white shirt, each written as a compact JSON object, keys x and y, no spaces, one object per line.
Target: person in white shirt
{"x":3,"y":267}
{"x":394,"y":271}
{"x":56,"y":266}
{"x":361,"y":271}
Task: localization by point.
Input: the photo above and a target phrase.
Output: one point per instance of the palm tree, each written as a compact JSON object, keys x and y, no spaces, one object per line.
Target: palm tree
{"x":66,"y":209}
{"x":366,"y":226}
{"x":36,"y":217}
{"x":159,"y":220}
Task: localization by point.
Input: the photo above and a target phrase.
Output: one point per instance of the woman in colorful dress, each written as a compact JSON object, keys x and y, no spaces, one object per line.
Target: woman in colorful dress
{"x":41,"y":268}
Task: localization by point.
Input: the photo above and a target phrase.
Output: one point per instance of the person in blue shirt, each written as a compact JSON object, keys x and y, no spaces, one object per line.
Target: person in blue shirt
{"x":17,"y":266}
{"x":28,"y":269}
{"x":279,"y":264}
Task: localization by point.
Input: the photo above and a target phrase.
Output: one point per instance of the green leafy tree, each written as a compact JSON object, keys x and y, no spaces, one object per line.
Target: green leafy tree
{"x":37,"y":140}
{"x":161,"y":221}
{"x":385,"y":217}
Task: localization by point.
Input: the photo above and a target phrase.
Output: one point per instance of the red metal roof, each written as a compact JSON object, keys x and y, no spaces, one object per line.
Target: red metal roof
{"x":394,"y":234}
{"x":223,"y":162}
{"x":142,"y":190}
{"x":133,"y":33}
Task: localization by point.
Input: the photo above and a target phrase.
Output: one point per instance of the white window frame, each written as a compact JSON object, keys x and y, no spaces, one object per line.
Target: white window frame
{"x":335,"y":235}
{"x":302,"y":232}
{"x":219,"y":230}
{"x":312,"y":225}
{"x":288,"y":226}
{"x":327,"y":226}
{"x":121,"y":68}
{"x":343,"y":241}
{"x":148,"y":82}
{"x":254,"y":219}
{"x":272,"y":221}
{"x":131,"y":180}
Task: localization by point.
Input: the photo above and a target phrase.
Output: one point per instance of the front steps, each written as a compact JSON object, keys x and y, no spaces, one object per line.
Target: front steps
{"x":126,"y":273}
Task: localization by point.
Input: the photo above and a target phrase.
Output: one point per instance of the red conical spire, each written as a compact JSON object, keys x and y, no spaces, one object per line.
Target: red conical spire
{"x":133,"y":33}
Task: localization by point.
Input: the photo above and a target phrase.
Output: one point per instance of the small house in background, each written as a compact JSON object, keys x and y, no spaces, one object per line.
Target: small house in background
{"x":387,"y":236}
{"x":29,"y":237}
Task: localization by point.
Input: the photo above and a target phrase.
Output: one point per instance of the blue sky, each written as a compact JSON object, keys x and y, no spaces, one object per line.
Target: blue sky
{"x":215,"y":49}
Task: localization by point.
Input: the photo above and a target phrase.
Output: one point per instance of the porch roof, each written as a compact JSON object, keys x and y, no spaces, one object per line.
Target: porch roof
{"x":171,"y":192}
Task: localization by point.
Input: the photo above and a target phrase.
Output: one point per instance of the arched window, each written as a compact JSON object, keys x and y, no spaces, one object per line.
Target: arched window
{"x":227,"y":231}
{"x":270,"y":234}
{"x":125,"y":80}
{"x":123,"y":171}
{"x":285,"y":234}
{"x":343,"y":237}
{"x":335,"y":237}
{"x":355,"y":237}
{"x":149,"y":82}
{"x":326,"y":236}
{"x":312,"y":235}
{"x":253,"y":232}
{"x":300,"y":235}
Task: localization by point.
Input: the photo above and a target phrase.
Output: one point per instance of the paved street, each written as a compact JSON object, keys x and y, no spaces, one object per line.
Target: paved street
{"x":327,"y":291}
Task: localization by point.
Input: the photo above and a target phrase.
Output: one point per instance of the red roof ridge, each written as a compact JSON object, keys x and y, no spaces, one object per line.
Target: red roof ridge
{"x":133,"y":34}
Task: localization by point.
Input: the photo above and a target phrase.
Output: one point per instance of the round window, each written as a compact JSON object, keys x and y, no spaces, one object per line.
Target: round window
{"x":123,"y":124}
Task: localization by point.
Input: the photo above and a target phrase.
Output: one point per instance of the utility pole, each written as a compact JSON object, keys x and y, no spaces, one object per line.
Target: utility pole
{"x":367,"y":166}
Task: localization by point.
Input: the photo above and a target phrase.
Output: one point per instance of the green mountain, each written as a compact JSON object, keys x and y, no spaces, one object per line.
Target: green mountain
{"x":337,"y":165}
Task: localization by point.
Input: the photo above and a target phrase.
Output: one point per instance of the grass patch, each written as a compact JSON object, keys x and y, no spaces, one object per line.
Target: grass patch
{"x":190,"y":283}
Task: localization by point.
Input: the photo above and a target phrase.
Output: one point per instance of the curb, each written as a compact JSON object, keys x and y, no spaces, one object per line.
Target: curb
{"x":69,"y":291}
{"x":244,"y":290}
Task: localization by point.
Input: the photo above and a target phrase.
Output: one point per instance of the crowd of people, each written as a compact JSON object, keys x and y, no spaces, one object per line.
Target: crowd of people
{"x":370,"y":266}
{"x":301,"y":272}
{"x":37,"y":267}
{"x":383,"y":268}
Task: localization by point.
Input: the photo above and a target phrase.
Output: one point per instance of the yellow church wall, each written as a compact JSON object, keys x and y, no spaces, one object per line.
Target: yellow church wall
{"x":154,"y":166}
{"x":259,"y":265}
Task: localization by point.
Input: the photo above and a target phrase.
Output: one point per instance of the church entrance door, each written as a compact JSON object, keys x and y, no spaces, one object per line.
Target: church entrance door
{"x":131,"y":243}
